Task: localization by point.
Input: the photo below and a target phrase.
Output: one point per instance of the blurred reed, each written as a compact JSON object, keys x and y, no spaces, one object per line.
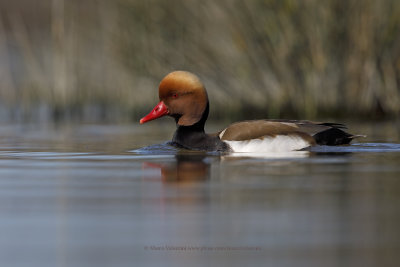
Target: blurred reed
{"x":102,"y":60}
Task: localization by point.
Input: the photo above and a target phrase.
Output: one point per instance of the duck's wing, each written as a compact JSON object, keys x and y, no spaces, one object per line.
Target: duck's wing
{"x":321,"y":133}
{"x":258,"y":129}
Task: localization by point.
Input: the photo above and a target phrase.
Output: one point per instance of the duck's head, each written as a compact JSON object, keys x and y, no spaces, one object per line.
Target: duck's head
{"x":182,"y":96}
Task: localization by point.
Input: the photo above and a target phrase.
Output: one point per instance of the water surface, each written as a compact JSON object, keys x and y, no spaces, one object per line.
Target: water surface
{"x":112,"y":195}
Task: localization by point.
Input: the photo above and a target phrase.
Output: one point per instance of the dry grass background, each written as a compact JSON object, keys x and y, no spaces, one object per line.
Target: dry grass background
{"x":103,"y":60}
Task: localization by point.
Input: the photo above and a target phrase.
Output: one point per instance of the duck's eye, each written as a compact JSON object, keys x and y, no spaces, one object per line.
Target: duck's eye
{"x":174,"y":95}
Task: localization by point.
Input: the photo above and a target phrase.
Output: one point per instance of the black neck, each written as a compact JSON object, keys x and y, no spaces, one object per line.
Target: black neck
{"x":193,"y":136}
{"x":198,"y":126}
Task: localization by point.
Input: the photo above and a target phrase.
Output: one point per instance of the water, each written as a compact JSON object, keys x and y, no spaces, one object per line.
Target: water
{"x":106,"y":195}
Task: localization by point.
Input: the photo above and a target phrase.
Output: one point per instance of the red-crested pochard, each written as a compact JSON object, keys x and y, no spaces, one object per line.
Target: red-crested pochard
{"x":184,"y":97}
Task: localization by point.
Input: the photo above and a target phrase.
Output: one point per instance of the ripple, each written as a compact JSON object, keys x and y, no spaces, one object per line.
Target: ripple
{"x":158,"y":149}
{"x":358,"y":147}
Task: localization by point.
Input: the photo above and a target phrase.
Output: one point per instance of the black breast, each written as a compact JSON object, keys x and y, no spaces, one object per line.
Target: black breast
{"x":194,"y":138}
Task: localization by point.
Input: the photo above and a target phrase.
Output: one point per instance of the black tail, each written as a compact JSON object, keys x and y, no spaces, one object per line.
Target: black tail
{"x":334,"y":136}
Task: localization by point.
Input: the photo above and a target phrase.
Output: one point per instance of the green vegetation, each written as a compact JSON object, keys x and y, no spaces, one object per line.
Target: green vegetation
{"x":283,"y":58}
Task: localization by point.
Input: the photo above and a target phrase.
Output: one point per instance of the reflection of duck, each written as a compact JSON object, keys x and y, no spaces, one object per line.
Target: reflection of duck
{"x":183,"y":97}
{"x":187,"y":168}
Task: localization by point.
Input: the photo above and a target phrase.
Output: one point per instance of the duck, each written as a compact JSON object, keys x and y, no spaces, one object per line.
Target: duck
{"x":183,"y":97}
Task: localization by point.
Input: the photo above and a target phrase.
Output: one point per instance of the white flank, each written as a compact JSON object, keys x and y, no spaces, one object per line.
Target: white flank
{"x":280,"y":143}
